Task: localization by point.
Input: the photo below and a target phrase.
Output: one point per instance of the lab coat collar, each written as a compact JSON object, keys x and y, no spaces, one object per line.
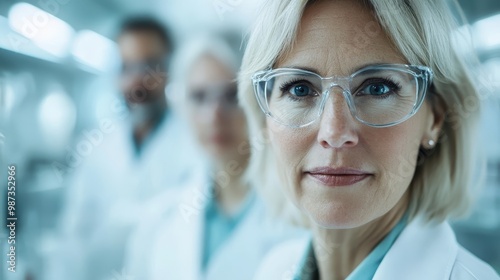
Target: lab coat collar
{"x":181,"y":242}
{"x":422,"y":251}
{"x":185,"y":242}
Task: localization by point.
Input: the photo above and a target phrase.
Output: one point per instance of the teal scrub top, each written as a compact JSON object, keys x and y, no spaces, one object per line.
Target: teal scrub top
{"x":366,"y":269}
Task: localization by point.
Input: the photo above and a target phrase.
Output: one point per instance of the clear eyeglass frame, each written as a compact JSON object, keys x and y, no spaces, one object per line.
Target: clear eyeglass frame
{"x":423,"y":79}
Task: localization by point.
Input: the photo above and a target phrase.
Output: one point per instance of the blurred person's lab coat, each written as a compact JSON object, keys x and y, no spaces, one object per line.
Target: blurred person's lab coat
{"x":171,"y":244}
{"x":105,"y":200}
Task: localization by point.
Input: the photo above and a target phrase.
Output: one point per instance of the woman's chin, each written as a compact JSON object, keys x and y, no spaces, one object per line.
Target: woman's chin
{"x":338,"y":217}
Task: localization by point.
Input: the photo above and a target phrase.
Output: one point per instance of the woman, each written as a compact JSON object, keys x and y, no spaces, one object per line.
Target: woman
{"x":360,"y":105}
{"x":203,"y":232}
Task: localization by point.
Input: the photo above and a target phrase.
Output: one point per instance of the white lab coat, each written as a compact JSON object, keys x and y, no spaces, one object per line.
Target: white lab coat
{"x":422,"y":251}
{"x":170,"y":246}
{"x":104,"y":202}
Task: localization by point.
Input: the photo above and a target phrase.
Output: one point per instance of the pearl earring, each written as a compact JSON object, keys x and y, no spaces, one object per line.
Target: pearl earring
{"x":432,"y":143}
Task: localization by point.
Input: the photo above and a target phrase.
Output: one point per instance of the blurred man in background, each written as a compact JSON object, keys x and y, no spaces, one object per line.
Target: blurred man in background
{"x":145,"y":48}
{"x":144,"y":152}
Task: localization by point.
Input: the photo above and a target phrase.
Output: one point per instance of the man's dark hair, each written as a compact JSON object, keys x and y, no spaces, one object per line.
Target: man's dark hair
{"x":149,"y":24}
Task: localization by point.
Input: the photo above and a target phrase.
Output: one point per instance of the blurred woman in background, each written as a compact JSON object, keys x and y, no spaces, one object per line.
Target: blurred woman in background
{"x":216,"y":228}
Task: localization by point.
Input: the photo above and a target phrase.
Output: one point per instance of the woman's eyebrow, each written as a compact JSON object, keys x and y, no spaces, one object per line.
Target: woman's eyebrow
{"x":353,"y":70}
{"x":310,"y":69}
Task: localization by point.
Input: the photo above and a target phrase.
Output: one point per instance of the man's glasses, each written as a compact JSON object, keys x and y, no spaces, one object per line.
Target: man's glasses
{"x":152,"y":65}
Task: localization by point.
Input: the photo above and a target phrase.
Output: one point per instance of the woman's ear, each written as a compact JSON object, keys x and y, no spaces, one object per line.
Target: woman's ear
{"x":435,"y":121}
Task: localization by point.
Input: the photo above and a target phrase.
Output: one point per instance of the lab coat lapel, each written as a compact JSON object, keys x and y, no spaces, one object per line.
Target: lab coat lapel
{"x":408,"y":257}
{"x":244,"y":244}
{"x":179,"y":250}
{"x":168,"y":157}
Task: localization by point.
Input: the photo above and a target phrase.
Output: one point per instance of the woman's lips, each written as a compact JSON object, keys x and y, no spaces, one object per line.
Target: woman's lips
{"x":336,"y":177}
{"x":220,"y":140}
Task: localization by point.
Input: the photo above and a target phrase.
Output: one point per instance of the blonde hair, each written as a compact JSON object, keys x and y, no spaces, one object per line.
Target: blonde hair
{"x":422,"y":32}
{"x":192,"y":51}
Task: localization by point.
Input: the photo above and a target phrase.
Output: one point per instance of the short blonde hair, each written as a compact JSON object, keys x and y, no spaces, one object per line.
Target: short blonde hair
{"x":423,"y":32}
{"x":192,"y":51}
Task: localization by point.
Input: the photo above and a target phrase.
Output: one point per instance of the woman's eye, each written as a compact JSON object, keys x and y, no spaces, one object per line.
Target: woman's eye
{"x":232,"y":96}
{"x":197,"y":97}
{"x":300,"y":90}
{"x":376,"y":89}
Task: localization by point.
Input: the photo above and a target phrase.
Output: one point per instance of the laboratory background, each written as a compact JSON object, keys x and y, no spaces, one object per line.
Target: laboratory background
{"x":60,"y":106}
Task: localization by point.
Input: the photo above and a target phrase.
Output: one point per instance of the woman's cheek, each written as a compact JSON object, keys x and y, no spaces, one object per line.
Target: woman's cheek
{"x":289,"y":147}
{"x":396,"y":154}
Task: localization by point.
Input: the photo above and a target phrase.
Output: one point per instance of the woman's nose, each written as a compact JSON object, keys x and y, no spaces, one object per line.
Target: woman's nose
{"x":215,"y":111}
{"x":337,"y":126}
